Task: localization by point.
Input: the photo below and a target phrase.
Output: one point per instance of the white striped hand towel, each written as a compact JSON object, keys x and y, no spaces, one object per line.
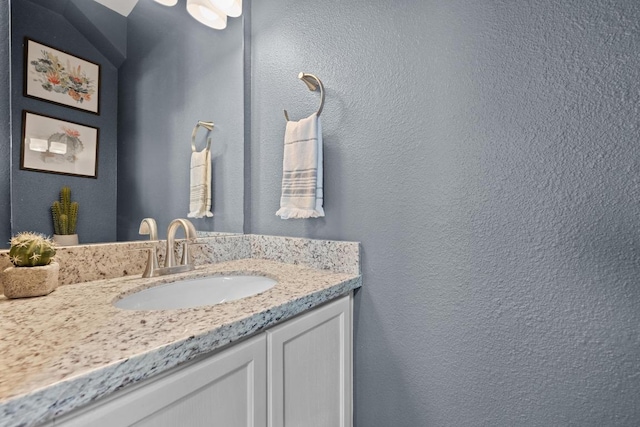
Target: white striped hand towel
{"x":302,"y":170}
{"x":200,"y":189}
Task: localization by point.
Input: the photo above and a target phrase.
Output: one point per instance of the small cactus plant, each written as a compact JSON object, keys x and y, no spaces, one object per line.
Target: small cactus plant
{"x":64,"y":213}
{"x":31,"y":250}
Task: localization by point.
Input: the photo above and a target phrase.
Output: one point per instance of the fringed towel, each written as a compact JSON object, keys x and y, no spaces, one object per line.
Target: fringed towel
{"x":200,"y":189}
{"x":302,"y":194}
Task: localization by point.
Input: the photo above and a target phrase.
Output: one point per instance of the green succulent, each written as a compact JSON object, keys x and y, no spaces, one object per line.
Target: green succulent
{"x":64,"y":213}
{"x":31,"y":250}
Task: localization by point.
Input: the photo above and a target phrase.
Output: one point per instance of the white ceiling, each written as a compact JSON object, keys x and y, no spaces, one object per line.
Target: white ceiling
{"x":123,"y":7}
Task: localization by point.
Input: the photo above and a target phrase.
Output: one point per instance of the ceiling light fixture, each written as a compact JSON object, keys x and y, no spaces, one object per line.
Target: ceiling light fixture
{"x":212,"y":13}
{"x":167,"y":2}
{"x":233,"y":8}
{"x":205,"y":13}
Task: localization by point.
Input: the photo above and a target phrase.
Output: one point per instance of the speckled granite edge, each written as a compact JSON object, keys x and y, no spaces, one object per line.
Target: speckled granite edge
{"x":212,"y":327}
{"x":333,"y":255}
{"x":103,"y":382}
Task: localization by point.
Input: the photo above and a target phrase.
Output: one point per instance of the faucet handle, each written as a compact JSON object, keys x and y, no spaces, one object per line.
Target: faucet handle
{"x":152,"y":262}
{"x":184,"y":260}
{"x":187,"y":245}
{"x":187,"y":249}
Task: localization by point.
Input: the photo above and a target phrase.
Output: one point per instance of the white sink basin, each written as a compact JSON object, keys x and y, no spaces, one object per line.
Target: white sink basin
{"x":196,"y":292}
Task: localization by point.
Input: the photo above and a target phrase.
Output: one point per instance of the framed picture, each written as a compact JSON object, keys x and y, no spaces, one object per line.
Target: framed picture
{"x":56,"y":76}
{"x":58,"y":146}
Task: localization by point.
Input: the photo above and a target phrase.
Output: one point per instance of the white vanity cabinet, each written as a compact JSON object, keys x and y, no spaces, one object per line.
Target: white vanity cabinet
{"x":310,"y":368}
{"x":295,"y":374}
{"x":226,"y":389}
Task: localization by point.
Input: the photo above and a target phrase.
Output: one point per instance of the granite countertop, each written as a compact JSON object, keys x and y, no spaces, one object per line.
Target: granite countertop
{"x":73,"y":346}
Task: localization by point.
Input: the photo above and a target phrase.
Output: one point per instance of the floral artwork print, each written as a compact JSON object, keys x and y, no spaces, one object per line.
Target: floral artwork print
{"x":66,"y":79}
{"x":56,"y":76}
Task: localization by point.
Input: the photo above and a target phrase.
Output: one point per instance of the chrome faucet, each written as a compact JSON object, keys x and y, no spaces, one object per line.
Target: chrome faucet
{"x":170,"y":267}
{"x":149,"y":227}
{"x":189,"y":234}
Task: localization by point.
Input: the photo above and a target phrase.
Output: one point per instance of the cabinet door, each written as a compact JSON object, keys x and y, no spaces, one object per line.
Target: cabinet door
{"x":309,"y":369}
{"x":227,"y":390}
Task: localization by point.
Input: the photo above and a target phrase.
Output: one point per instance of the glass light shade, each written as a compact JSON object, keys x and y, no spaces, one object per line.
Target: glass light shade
{"x":167,"y":2}
{"x":206,"y":14}
{"x":233,"y":8}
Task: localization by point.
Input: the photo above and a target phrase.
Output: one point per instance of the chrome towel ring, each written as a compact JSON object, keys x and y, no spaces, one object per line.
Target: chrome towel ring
{"x":308,"y":79}
{"x":208,"y":126}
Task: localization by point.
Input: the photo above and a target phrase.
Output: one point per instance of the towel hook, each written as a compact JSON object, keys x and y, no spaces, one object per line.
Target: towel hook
{"x":308,"y":79}
{"x":208,"y":126}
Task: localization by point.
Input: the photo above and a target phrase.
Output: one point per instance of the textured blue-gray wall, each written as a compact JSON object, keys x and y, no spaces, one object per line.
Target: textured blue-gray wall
{"x":178,"y":72}
{"x":5,"y":128}
{"x":486,"y":153}
{"x":33,"y":192}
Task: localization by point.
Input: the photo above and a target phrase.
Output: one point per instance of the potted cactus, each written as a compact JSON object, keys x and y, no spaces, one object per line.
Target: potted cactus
{"x":33,"y":273}
{"x":65,"y":218}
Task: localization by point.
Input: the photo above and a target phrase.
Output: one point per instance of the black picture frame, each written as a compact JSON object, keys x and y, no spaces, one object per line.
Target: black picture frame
{"x":58,"y":146}
{"x":59,"y":77}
